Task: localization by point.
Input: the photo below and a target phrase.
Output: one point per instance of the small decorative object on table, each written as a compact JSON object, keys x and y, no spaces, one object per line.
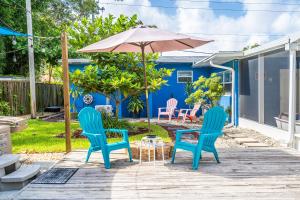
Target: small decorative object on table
{"x":151,"y":141}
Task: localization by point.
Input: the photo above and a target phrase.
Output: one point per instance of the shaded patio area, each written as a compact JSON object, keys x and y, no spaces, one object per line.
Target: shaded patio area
{"x":244,"y":173}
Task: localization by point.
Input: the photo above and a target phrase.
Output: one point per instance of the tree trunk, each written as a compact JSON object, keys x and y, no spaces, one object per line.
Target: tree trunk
{"x":50,"y":74}
{"x":117,"y":109}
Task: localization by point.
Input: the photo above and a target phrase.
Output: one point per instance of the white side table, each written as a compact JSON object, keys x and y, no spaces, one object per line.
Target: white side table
{"x":151,"y":142}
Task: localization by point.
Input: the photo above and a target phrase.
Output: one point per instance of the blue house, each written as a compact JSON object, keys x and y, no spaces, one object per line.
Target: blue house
{"x":184,"y":71}
{"x":262,"y":86}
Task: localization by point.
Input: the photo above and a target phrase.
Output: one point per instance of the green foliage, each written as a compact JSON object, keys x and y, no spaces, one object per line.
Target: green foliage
{"x":52,"y":74}
{"x":115,"y":75}
{"x":4,"y":108}
{"x":135,"y":104}
{"x":117,"y":83}
{"x":188,"y":90}
{"x":251,"y":46}
{"x":75,"y":93}
{"x":49,"y":19}
{"x":113,"y":122}
{"x":207,"y":90}
{"x":86,"y":31}
{"x":21,"y":110}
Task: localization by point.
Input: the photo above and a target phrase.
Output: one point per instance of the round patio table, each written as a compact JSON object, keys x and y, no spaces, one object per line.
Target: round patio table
{"x":149,"y":142}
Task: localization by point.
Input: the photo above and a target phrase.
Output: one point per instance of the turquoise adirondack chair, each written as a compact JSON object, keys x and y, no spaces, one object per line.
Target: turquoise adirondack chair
{"x":214,"y":120}
{"x":92,"y":127}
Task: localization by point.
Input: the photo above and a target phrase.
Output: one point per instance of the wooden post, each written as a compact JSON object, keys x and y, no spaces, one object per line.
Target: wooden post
{"x":31,"y":60}
{"x":65,"y":65}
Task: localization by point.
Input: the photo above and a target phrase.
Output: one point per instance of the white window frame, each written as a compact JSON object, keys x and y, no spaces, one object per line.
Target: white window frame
{"x":222,"y":74}
{"x":178,"y":76}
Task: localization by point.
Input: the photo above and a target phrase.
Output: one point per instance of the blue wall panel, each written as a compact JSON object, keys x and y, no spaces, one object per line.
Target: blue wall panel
{"x":174,"y":89}
{"x":160,"y":97}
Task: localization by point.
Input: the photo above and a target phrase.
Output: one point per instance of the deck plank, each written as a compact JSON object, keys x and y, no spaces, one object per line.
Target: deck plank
{"x":249,"y":173}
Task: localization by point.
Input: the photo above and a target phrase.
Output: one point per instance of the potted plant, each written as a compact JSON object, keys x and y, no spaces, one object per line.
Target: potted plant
{"x":135,"y":106}
{"x":228,"y":111}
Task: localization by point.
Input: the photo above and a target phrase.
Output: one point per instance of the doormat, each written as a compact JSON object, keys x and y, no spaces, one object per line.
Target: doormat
{"x":55,"y":176}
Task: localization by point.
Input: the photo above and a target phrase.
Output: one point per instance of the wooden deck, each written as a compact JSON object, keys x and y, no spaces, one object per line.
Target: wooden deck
{"x":262,"y":173}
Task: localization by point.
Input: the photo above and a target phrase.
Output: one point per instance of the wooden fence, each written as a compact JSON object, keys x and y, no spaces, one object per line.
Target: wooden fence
{"x":17,"y":94}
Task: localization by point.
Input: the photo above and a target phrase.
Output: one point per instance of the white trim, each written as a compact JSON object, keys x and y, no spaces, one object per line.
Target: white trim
{"x":219,"y":58}
{"x":225,"y":56}
{"x":292,"y":94}
{"x":261,"y":83}
{"x":270,"y":131}
{"x":192,"y":76}
{"x":273,"y":45}
{"x":222,"y":73}
{"x":232,"y":89}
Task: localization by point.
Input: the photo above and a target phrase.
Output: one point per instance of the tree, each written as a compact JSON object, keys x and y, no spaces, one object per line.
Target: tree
{"x":207,"y":91}
{"x":86,"y":31}
{"x":49,"y":18}
{"x":251,"y":46}
{"x":117,"y":83}
{"x":115,"y":75}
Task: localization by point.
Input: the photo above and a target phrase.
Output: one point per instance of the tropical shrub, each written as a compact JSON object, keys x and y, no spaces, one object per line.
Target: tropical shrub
{"x":135,"y":104}
{"x":113,"y":122}
{"x":207,"y":91}
{"x":188,"y":90}
{"x":4,"y":108}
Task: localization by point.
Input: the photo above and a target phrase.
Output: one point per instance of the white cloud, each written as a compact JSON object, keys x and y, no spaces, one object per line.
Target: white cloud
{"x":247,"y":28}
{"x":149,"y":15}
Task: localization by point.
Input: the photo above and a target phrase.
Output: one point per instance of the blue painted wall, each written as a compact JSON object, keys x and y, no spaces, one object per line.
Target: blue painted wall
{"x":158,"y":98}
{"x":174,"y":89}
{"x":98,"y":98}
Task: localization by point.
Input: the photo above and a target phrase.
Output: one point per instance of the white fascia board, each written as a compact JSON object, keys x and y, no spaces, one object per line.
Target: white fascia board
{"x":271,"y":46}
{"x":204,"y":61}
{"x":219,"y":58}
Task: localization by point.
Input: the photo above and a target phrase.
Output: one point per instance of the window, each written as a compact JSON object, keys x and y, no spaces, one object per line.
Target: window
{"x":184,"y":76}
{"x":226,"y":79}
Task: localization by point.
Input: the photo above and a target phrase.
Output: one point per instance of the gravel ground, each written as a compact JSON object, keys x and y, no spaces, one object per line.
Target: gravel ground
{"x":41,"y":158}
{"x":254,"y":135}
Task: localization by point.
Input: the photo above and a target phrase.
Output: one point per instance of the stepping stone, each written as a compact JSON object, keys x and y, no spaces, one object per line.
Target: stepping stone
{"x":236,"y":135}
{"x":256,"y":144}
{"x":8,"y":159}
{"x":18,"y":179}
{"x":245,"y":140}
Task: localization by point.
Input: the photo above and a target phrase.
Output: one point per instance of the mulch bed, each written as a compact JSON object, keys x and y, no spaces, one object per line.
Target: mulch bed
{"x":172,"y":131}
{"x":55,"y":117}
{"x":77,"y":133}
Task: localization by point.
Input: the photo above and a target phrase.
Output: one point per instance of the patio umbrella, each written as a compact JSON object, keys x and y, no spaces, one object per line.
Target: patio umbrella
{"x":145,"y":40}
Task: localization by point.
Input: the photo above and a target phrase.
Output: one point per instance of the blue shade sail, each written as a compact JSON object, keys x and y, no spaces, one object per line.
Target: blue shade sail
{"x":8,"y":32}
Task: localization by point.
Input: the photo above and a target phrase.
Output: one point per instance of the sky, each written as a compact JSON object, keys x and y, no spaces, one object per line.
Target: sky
{"x":232,"y":24}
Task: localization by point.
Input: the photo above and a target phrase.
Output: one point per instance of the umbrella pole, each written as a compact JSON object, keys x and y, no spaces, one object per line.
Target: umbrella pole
{"x":146,"y":86}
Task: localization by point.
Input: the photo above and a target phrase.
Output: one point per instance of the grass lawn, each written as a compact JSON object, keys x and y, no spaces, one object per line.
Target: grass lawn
{"x":39,"y":137}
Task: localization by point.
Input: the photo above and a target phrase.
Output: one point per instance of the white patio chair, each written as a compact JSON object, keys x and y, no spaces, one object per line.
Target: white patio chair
{"x":169,"y":110}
